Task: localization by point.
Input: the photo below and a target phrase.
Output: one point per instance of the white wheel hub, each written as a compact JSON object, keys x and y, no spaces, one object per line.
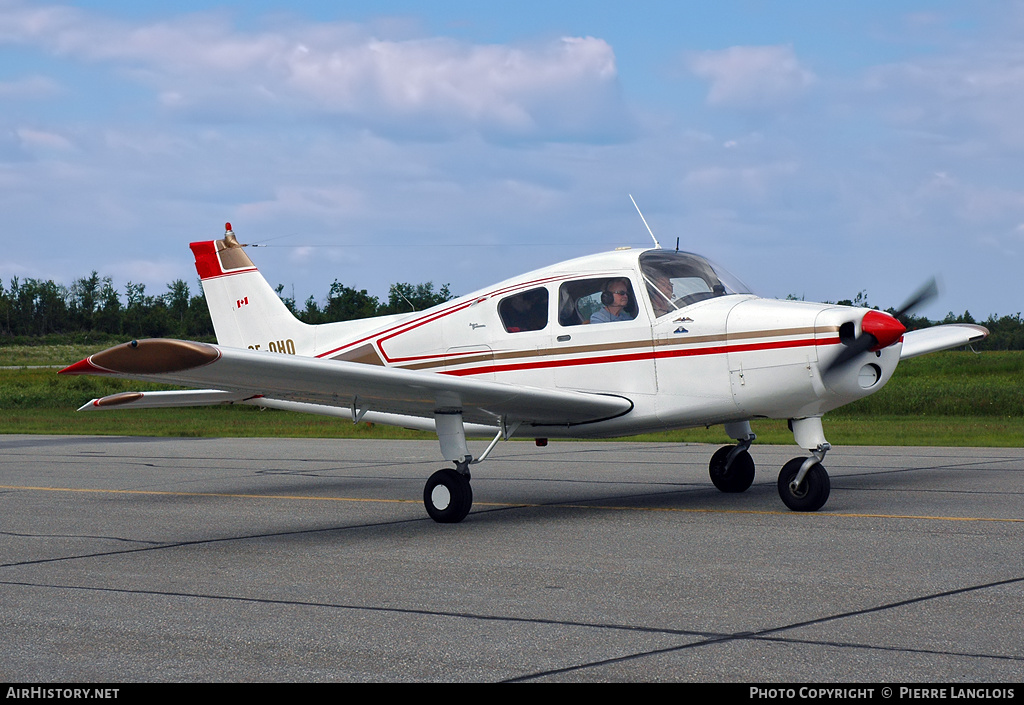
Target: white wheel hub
{"x":440,"y":497}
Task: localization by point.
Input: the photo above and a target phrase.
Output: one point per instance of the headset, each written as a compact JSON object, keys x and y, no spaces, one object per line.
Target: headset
{"x":607,"y":297}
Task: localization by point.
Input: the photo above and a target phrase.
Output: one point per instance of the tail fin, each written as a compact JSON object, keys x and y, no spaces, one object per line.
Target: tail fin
{"x":246,"y":312}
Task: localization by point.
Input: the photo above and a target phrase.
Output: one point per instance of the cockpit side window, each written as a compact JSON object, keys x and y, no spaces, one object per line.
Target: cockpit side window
{"x":675,"y":280}
{"x":525,"y":311}
{"x":603,"y":300}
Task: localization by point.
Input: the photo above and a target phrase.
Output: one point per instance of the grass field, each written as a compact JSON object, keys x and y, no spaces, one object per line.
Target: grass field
{"x":952,"y":398}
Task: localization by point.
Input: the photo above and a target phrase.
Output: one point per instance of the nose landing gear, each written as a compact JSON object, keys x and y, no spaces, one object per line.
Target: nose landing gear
{"x":812,"y":492}
{"x":804,"y":485}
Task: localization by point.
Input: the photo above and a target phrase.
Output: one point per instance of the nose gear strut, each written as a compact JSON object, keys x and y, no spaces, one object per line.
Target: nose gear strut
{"x":803,"y":484}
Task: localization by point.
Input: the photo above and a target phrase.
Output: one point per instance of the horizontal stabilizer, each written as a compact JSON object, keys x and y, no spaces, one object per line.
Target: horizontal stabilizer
{"x":929,"y":340}
{"x":164,"y":400}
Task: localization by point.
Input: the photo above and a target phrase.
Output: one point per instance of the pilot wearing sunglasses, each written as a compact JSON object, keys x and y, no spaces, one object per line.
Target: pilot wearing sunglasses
{"x":615,"y":297}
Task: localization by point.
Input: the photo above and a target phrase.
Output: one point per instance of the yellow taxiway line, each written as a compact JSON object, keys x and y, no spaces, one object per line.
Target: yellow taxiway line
{"x":307,"y":498}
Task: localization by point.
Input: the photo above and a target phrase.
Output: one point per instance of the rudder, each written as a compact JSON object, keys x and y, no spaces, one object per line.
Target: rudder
{"x":246,"y":312}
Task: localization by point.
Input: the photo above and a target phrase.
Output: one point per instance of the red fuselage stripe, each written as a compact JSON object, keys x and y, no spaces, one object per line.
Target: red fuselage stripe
{"x":645,"y":355}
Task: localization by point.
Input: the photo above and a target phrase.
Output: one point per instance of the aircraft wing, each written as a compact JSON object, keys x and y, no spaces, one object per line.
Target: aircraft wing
{"x":928,"y":340}
{"x":247,"y":375}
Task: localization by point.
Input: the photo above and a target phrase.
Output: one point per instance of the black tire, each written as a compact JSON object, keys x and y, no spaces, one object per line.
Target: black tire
{"x":738,"y":477}
{"x":813,"y":492}
{"x":448,"y":496}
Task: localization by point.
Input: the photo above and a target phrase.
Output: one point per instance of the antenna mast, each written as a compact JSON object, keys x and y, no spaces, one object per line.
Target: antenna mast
{"x":656,"y":243}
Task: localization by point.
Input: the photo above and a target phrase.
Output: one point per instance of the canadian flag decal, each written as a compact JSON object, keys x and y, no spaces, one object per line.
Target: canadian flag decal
{"x":242,"y":302}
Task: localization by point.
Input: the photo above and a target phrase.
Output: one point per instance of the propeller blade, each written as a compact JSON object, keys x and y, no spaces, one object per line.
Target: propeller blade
{"x":863,"y":343}
{"x":928,"y":291}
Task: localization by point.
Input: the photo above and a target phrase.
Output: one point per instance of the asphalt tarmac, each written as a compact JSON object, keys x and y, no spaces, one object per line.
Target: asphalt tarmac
{"x":154,"y":559}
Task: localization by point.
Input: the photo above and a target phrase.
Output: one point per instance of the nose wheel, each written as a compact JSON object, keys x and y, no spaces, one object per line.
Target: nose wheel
{"x":803,"y":482}
{"x":810,"y":493}
{"x":448,"y":496}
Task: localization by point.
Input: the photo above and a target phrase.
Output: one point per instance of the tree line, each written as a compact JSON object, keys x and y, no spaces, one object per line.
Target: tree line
{"x":36,"y":308}
{"x":33,"y":308}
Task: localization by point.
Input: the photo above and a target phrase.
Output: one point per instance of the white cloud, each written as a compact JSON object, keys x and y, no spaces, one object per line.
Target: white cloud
{"x":956,"y":94}
{"x":43,"y":140}
{"x":29,"y":87}
{"x":203,"y":65}
{"x":747,"y":184}
{"x":143,"y":270}
{"x":336,"y":202}
{"x":509,"y":87}
{"x":751,"y":77}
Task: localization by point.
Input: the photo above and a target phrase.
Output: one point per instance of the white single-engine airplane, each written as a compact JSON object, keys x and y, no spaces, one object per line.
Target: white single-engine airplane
{"x":614,"y":344}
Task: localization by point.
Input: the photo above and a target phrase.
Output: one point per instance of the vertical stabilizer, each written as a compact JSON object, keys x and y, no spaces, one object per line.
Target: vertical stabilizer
{"x":246,"y":312}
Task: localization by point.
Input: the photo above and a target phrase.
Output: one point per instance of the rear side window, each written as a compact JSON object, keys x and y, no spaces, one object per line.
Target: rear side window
{"x":524,"y":312}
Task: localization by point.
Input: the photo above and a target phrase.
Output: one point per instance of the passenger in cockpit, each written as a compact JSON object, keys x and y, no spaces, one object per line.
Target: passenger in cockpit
{"x":615,"y":297}
{"x":659,"y":286}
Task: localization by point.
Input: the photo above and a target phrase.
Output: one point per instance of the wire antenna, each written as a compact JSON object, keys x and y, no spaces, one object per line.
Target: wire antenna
{"x":656,"y":243}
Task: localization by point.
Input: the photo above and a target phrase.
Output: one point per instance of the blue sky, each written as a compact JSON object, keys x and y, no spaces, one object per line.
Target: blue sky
{"x":814,"y":149}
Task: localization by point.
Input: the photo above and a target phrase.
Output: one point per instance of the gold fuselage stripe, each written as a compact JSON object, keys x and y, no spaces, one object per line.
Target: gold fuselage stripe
{"x":663,"y":342}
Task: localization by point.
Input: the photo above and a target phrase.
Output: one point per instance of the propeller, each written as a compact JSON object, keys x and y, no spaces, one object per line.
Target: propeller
{"x":928,"y":291}
{"x":880,"y":330}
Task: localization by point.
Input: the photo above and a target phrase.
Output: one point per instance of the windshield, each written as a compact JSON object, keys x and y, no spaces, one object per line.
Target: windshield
{"x":677,"y":279}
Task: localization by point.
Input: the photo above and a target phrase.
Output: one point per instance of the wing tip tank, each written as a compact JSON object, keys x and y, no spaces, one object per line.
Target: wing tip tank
{"x":141,"y":357}
{"x":82,"y":367}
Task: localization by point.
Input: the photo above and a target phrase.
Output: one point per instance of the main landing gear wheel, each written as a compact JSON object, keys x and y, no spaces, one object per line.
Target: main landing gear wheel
{"x":448,"y":496}
{"x":738,"y":477}
{"x":813,"y":491}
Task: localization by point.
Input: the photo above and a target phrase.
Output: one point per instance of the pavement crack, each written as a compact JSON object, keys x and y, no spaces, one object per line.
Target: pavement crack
{"x":158,"y":546}
{"x":704,"y":638}
{"x":90,"y":537}
{"x":766,"y":635}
